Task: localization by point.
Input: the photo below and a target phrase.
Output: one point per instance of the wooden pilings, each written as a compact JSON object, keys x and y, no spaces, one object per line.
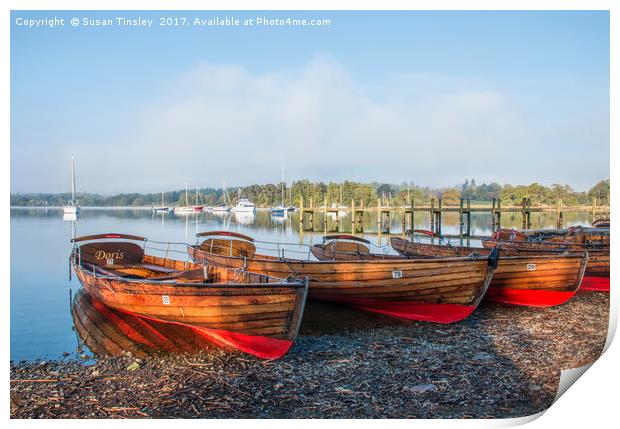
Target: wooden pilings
{"x":558,"y":214}
{"x":436,"y":209}
{"x":526,"y":212}
{"x":465,"y":213}
{"x":436,"y":216}
{"x":496,"y":215}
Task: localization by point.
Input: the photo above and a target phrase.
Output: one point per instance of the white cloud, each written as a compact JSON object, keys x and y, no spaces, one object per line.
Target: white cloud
{"x":222,"y":122}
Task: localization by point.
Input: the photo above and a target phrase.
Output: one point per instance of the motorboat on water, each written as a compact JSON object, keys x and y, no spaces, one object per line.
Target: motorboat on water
{"x":244,"y":206}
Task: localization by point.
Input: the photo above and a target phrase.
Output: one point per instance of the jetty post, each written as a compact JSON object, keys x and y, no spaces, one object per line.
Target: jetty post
{"x":499,"y":213}
{"x":325,"y":216}
{"x":461,"y":220}
{"x":403,"y":223}
{"x":379,"y":226}
{"x":432,"y":213}
{"x":411,"y":222}
{"x":360,"y":220}
{"x":558,"y":213}
{"x":301,"y":216}
{"x":493,"y":212}
{"x":526,"y":211}
{"x":353,"y":216}
{"x":438,"y":217}
{"x":468,"y":214}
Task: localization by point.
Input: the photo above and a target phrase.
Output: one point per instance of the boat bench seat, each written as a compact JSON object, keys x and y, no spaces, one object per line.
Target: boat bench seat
{"x":158,"y":268}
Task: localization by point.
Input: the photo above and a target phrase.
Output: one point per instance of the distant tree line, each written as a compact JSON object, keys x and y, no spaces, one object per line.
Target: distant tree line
{"x":366,"y":194}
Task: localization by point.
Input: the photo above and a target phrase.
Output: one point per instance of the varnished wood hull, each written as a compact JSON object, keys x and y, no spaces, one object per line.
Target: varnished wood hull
{"x":527,"y":280}
{"x":257,"y":318}
{"x":596,"y":277}
{"x":437,"y":291}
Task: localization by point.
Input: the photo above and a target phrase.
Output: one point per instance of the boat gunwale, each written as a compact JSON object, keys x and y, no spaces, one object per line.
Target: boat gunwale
{"x":551,"y":255}
{"x":554,"y":246}
{"x":276,"y":259}
{"x":77,"y":265}
{"x":298,"y":282}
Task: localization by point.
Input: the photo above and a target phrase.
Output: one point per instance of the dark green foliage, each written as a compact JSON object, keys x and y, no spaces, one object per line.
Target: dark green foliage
{"x":317,"y":194}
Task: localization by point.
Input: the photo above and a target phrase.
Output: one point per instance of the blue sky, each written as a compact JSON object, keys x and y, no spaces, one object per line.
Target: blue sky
{"x":425,"y":97}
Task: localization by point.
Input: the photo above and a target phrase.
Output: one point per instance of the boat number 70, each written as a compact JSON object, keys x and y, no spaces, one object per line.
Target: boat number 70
{"x":397,"y":274}
{"x":165,"y":299}
{"x":531,"y":267}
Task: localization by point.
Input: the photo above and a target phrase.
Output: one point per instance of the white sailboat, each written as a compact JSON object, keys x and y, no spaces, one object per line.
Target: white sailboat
{"x":342,"y":210}
{"x":163,"y":207}
{"x":198,"y":207}
{"x":72,"y":207}
{"x":222,"y":208}
{"x":280,"y":210}
{"x":187,"y":208}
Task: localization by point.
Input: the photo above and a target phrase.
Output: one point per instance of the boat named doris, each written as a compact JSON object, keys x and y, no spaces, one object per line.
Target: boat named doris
{"x":442,"y":291}
{"x":254,"y":313}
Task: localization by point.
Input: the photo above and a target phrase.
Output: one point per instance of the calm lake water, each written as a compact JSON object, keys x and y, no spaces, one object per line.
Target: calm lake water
{"x":41,"y":322}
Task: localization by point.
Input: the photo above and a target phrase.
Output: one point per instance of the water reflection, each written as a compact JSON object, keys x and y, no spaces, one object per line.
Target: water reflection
{"x":109,"y":332}
{"x":243,"y":218}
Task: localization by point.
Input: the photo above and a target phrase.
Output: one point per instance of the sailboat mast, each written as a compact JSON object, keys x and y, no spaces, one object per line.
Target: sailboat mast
{"x":226,"y":196}
{"x":162,"y":199}
{"x":72,"y":180}
{"x":282,"y":186}
{"x":186,"y":196}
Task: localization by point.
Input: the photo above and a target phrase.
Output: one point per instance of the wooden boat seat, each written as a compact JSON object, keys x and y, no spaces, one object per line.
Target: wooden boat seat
{"x":229,"y":247}
{"x":111,"y":271}
{"x":347,"y":247}
{"x":145,"y":271}
{"x":158,"y":268}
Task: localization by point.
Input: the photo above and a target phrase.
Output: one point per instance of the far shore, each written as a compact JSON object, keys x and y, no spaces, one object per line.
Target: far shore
{"x":85,"y":207}
{"x":477,"y":205}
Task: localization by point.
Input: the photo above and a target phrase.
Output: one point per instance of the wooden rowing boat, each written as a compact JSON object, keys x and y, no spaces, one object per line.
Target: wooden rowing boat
{"x":598,"y":236}
{"x":601,"y":223}
{"x":109,"y":332}
{"x":533,"y":280}
{"x":596,"y":277}
{"x":254,"y":313}
{"x":442,"y":291}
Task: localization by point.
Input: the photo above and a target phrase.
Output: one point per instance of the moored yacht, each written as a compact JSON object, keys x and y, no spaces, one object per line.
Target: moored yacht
{"x":244,"y":206}
{"x":72,"y":207}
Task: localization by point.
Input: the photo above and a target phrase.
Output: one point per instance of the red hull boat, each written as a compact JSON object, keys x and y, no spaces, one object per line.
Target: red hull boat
{"x":253,"y":313}
{"x":533,"y":281}
{"x":596,"y":277}
{"x":441,"y":291}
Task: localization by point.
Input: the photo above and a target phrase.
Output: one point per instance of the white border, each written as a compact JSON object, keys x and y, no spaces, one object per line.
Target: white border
{"x":590,"y":401}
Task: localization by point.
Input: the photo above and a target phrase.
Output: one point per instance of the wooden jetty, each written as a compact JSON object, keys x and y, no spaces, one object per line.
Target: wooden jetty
{"x":314,"y":218}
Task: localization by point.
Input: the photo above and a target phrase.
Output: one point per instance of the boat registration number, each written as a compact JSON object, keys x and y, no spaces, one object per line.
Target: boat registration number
{"x":397,"y":274}
{"x":109,"y":261}
{"x":165,"y":299}
{"x":531,"y":267}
